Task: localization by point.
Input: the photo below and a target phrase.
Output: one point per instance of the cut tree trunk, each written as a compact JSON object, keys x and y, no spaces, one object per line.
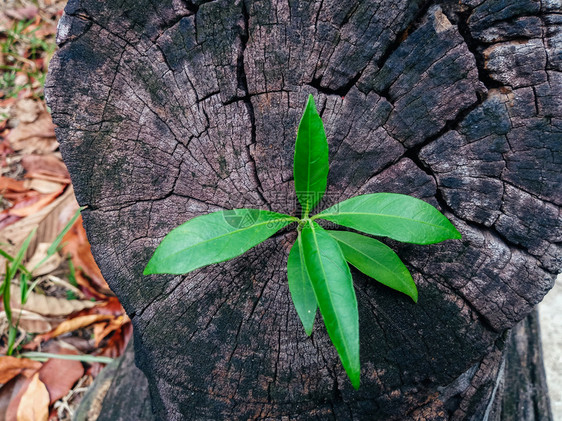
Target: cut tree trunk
{"x":167,"y":109}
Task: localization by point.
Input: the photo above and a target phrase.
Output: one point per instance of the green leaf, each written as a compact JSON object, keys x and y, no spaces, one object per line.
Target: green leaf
{"x":6,"y":294}
{"x":44,"y":356}
{"x":21,"y":254}
{"x":10,"y":258}
{"x":214,"y":238}
{"x":311,"y":159}
{"x":12,"y":336}
{"x":376,"y":260}
{"x":333,"y":287}
{"x":300,"y":286}
{"x":397,"y":216}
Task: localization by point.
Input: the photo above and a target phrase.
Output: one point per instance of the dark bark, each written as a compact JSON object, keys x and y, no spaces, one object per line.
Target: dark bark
{"x":119,"y":393}
{"x":170,"y":108}
{"x":522,"y":392}
{"x":519,"y":393}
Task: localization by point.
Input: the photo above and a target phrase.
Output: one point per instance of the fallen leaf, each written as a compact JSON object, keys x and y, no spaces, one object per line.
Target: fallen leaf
{"x":46,"y":305}
{"x":60,"y":375}
{"x":111,"y":306}
{"x":77,"y":245}
{"x":34,"y":403}
{"x":29,"y":196}
{"x":48,"y":167}
{"x":49,"y":221}
{"x":9,"y":392}
{"x":37,"y":136}
{"x":85,"y":346}
{"x":114,"y":347}
{"x":105,"y":329}
{"x":98,"y":329}
{"x":7,"y":220}
{"x":50,"y":264}
{"x":71,"y":325}
{"x":27,"y":110}
{"x":22,"y":13}
{"x":43,"y":186}
{"x":9,"y":184}
{"x":36,"y":206}
{"x":29,"y":321}
{"x":10,"y":367}
{"x":118,"y":342}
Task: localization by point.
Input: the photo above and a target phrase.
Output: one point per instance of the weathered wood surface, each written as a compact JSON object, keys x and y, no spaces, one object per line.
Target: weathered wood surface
{"x":522,"y":392}
{"x":119,"y":393}
{"x":169,"y":108}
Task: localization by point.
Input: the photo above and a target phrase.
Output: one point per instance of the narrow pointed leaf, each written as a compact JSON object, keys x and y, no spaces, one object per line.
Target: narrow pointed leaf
{"x":311,"y":159}
{"x":397,"y":216}
{"x":376,"y":260}
{"x":333,"y":287}
{"x":300,"y":287}
{"x":6,"y":294}
{"x":21,"y":253}
{"x":56,"y":243}
{"x":214,"y":238}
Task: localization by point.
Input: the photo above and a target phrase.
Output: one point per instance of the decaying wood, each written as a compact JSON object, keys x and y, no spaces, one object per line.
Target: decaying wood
{"x":172,"y":108}
{"x":521,"y":390}
{"x":119,"y":393}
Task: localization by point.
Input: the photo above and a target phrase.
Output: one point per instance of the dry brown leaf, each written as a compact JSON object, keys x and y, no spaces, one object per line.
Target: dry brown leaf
{"x":43,"y":186}
{"x":7,"y":183}
{"x":29,"y":321}
{"x":34,"y":403}
{"x":77,"y":245}
{"x":41,"y":166}
{"x":36,"y":206}
{"x":71,"y":325}
{"x":48,"y":306}
{"x":10,"y":396}
{"x":5,"y":221}
{"x":49,"y":221}
{"x":22,"y":13}
{"x":106,"y":329}
{"x":29,"y":197}
{"x":60,"y":375}
{"x":118,"y":342}
{"x":51,"y":263}
{"x":35,"y":137}
{"x":27,"y":110}
{"x":10,"y":367}
{"x":98,"y":330}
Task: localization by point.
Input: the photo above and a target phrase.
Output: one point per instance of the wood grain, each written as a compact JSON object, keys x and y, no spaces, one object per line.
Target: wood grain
{"x":167,"y":109}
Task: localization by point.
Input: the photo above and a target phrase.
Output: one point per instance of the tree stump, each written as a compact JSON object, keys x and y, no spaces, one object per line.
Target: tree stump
{"x":167,"y":109}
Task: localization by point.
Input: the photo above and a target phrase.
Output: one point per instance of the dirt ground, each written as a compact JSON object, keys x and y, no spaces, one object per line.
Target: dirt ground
{"x":551,"y":331}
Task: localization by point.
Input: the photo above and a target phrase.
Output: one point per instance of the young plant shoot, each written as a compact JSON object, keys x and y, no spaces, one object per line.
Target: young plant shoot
{"x":318,"y":264}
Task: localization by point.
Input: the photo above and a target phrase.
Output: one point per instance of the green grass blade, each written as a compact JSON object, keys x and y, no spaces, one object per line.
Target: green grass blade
{"x":56,"y":243}
{"x":311,"y":164}
{"x":376,"y":260}
{"x":24,"y":278}
{"x":300,"y":287}
{"x":11,"y":259}
{"x":12,"y":335}
{"x":333,"y":287}
{"x":21,"y":254}
{"x":397,"y":216}
{"x":214,"y":238}
{"x":44,"y":356}
{"x":6,"y":293}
